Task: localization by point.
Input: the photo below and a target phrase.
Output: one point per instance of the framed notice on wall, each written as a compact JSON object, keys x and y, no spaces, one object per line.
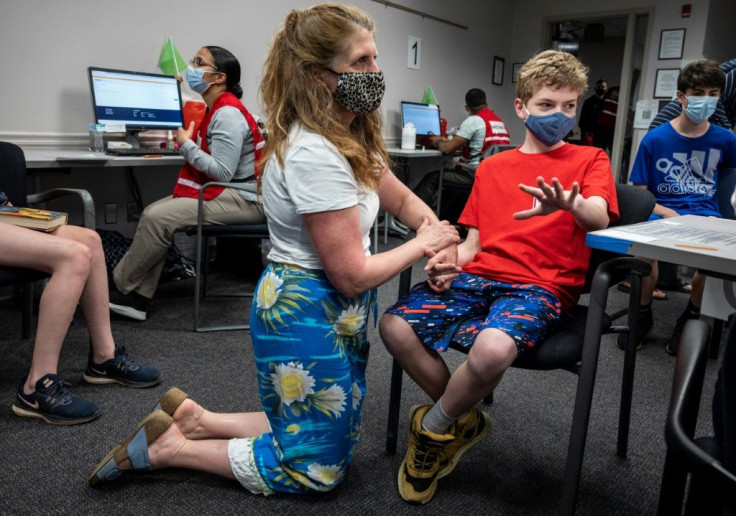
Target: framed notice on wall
{"x":665,"y":84}
{"x":498,"y":63}
{"x":671,"y":42}
{"x":515,"y":71}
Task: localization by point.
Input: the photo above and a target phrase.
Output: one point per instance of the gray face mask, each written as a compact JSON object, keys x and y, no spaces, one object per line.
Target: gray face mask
{"x":359,"y":92}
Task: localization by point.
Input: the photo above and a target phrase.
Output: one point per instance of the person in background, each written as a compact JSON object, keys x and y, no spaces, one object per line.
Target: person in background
{"x":482,"y":129}
{"x":678,"y":162}
{"x":589,"y":114}
{"x":725,"y":113}
{"x":522,"y":265}
{"x":324,"y":180}
{"x":73,"y":257}
{"x":226,"y":148}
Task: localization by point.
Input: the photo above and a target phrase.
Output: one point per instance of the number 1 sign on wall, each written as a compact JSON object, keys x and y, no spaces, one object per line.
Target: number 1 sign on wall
{"x":414,"y":56}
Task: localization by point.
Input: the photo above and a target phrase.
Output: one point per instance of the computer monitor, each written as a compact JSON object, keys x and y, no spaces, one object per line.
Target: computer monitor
{"x":141,"y":101}
{"x":425,"y":117}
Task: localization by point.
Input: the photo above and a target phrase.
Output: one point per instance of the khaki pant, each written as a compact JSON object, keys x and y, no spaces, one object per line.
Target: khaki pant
{"x":140,"y":269}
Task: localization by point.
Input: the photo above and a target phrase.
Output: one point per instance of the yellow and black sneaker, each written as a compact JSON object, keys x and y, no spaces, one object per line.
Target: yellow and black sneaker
{"x":418,"y":471}
{"x":468,"y":432}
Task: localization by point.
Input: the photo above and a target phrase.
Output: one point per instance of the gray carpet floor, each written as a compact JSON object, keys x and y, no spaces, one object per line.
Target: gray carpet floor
{"x":517,"y":470}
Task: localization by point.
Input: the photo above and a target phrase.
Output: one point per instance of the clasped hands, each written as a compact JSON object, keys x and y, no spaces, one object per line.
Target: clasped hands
{"x":440,"y":240}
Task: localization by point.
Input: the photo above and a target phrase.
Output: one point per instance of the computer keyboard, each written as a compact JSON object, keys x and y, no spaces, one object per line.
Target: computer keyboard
{"x":143,"y":151}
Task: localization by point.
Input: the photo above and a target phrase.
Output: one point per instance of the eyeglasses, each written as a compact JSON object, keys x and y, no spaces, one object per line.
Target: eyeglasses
{"x":198,"y":62}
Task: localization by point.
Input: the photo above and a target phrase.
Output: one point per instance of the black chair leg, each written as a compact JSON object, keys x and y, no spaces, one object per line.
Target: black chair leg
{"x":627,"y":379}
{"x":715,"y":338}
{"x":394,"y":404}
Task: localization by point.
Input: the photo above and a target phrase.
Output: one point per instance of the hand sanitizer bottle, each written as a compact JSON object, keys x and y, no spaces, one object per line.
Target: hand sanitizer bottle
{"x":170,"y":141}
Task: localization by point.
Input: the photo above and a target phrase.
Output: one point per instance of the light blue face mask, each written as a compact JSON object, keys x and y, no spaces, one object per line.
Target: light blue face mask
{"x":699,"y":109}
{"x":549,"y":129}
{"x":195,"y":79}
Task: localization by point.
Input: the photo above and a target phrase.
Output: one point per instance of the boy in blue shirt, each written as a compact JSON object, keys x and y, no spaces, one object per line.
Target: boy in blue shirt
{"x":678,"y":162}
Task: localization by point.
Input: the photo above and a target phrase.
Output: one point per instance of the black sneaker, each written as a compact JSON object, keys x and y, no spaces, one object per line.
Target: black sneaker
{"x":122,"y":370}
{"x":645,"y":323}
{"x":131,"y":305}
{"x":53,"y":403}
{"x":690,"y":313}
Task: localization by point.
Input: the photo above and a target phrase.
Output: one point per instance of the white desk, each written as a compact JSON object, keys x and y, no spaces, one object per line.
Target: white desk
{"x":704,"y":243}
{"x":396,"y":152}
{"x":56,"y":158}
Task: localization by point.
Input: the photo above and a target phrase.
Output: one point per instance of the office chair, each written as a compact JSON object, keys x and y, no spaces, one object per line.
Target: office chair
{"x":710,"y":461}
{"x":204,"y":232}
{"x":462,"y":189}
{"x":575,"y":345}
{"x":13,"y":183}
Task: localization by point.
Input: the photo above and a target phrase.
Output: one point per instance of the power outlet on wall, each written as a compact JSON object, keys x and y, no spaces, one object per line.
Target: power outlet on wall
{"x":134,"y":214}
{"x":111,"y":213}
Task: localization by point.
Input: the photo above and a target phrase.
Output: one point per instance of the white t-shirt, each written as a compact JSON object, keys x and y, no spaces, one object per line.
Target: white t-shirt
{"x":473,"y":129}
{"x":315,"y":178}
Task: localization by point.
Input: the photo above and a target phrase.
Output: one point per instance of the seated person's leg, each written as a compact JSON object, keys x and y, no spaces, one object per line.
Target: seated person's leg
{"x":509,"y":320}
{"x":140,"y":269}
{"x":426,"y":189}
{"x":68,"y":262}
{"x":645,"y":318}
{"x":692,"y":311}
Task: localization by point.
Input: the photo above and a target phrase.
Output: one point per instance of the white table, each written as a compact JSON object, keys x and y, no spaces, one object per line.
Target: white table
{"x":704,"y":243}
{"x":57,"y":158}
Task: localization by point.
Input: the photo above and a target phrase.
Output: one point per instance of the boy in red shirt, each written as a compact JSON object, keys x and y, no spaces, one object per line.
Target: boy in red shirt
{"x":521,"y":266}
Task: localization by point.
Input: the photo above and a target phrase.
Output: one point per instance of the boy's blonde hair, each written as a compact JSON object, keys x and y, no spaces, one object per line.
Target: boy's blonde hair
{"x":551,"y":68}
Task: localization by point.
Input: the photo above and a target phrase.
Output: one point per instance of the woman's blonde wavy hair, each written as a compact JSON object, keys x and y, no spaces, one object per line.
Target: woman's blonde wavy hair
{"x":289,"y":91}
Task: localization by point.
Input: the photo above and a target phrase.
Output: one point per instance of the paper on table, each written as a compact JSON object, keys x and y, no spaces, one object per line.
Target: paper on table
{"x":632,"y":237}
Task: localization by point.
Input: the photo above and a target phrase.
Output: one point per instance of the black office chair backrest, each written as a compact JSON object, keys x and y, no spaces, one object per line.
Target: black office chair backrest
{"x":13,"y":173}
{"x":724,"y":190}
{"x":495,"y":149}
{"x":634,"y":205}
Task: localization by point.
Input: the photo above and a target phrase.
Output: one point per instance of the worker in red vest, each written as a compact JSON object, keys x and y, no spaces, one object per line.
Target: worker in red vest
{"x":226,"y":148}
{"x":482,"y":129}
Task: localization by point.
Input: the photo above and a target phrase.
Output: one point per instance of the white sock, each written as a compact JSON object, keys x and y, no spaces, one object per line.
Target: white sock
{"x":436,"y":420}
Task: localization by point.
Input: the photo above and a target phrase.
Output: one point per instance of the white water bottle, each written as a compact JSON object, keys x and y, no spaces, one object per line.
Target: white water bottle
{"x":408,"y":137}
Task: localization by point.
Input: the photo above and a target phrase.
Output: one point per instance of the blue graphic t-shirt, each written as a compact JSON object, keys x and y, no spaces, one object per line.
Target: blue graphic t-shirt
{"x":682,"y":172}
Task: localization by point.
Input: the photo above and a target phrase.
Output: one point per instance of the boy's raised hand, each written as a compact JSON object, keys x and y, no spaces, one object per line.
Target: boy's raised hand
{"x":550,"y":198}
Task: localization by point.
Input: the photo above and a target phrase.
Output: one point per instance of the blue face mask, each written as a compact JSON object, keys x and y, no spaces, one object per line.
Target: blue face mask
{"x":195,"y":79}
{"x":549,"y":129}
{"x":699,"y":109}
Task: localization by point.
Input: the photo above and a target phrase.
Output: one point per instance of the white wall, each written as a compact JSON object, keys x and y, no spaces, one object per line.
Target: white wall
{"x":48,"y":46}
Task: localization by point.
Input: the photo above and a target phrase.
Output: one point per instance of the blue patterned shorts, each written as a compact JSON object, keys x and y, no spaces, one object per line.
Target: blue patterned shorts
{"x":523,"y":312}
{"x":311,"y":349}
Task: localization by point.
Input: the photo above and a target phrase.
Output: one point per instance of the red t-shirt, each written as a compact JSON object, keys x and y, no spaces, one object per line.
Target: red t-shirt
{"x":547,"y":251}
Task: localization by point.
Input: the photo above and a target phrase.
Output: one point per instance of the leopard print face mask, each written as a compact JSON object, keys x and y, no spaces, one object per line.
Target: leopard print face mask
{"x":359,"y":92}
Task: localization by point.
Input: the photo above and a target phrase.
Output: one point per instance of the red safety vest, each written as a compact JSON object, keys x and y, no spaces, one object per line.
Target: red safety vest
{"x":190,"y":179}
{"x":496,"y":132}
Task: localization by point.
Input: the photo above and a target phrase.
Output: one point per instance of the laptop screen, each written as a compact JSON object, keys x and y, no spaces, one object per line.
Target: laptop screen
{"x":425,"y":117}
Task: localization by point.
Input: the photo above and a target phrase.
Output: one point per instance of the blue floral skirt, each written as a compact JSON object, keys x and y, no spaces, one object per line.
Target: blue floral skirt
{"x":311,"y":349}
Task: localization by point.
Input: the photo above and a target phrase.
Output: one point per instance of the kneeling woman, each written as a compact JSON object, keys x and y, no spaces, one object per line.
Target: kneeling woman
{"x":324,"y":181}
